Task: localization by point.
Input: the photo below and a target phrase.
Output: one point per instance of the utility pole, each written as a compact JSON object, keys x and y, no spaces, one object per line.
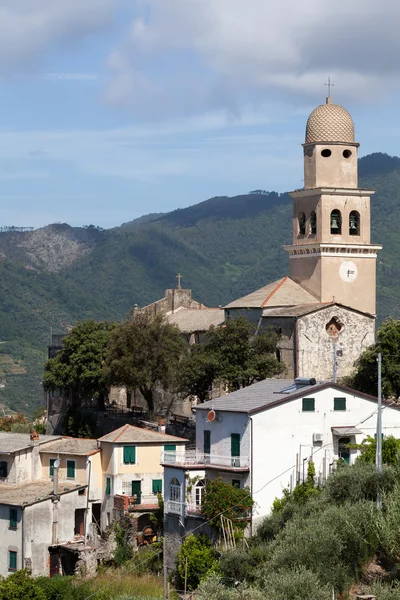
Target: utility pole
{"x":379,"y":434}
{"x":334,"y":361}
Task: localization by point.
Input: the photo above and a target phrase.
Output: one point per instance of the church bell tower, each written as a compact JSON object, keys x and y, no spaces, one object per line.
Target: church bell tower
{"x":332,"y":256}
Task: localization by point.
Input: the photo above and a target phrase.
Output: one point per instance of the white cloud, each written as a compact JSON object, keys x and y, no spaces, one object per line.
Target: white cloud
{"x":28,"y":28}
{"x":185,"y":56}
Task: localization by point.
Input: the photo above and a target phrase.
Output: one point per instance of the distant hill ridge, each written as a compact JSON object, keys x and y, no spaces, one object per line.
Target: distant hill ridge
{"x":224,"y":247}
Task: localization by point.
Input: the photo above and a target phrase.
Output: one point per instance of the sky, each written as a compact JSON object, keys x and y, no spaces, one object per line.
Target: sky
{"x":112,"y":109}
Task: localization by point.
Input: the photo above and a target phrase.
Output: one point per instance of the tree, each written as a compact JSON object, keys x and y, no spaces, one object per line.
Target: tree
{"x":365,"y":377}
{"x":233,"y":502}
{"x":232,"y":355}
{"x":20,"y":586}
{"x":196,"y":559}
{"x":78,"y":366}
{"x":390,"y":450}
{"x":144,"y":353}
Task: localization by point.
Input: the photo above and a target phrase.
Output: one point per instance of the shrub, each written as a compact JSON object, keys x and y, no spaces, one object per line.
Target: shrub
{"x":296,"y":584}
{"x":235,"y":503}
{"x":197,"y":558}
{"x":243,"y":565}
{"x":123,"y":551}
{"x":213,"y":588}
{"x":359,"y":482}
{"x":20,"y":586}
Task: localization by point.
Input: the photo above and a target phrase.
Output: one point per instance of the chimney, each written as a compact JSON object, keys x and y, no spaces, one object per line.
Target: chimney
{"x":34,"y":436}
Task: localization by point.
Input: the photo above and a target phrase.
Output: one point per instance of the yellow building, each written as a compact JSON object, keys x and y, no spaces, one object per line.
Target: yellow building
{"x":132,"y":473}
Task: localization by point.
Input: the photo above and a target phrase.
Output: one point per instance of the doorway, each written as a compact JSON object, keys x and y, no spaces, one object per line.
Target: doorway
{"x":79,"y":521}
{"x":344,"y":450}
{"x":137,"y":491}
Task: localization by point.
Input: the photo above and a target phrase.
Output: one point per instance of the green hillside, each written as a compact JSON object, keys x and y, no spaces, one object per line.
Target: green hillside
{"x":224,"y":247}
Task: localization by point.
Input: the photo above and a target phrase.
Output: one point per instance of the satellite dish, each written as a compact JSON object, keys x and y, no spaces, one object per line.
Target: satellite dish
{"x":57,"y":463}
{"x":211,"y":416}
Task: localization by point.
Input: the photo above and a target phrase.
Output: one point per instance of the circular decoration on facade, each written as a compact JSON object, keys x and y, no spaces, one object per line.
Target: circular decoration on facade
{"x":348,"y":271}
{"x":211,"y":416}
{"x":334,"y":328}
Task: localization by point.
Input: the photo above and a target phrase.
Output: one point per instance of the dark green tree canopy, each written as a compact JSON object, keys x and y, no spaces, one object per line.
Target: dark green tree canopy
{"x":233,"y":355}
{"x":78,"y":366}
{"x":223,"y":498}
{"x":144,"y":353}
{"x":365,"y":378}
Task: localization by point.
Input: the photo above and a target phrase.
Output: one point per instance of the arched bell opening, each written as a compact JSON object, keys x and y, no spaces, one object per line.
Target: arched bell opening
{"x":336,"y":222}
{"x":302,"y":223}
{"x":354,"y":223}
{"x":313,"y":223}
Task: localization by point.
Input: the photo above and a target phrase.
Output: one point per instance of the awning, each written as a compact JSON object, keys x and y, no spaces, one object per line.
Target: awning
{"x":346,"y":431}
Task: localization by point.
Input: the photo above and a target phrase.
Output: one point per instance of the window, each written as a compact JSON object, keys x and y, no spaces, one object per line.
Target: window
{"x":236,"y":483}
{"x":13,"y":518}
{"x":235,"y":449}
{"x":51,"y":466}
{"x":12,"y":560}
{"x":70,"y":469}
{"x":313,"y":223}
{"x":169,"y":448}
{"x":354,"y":223}
{"x":326,"y":153}
{"x":157,"y":486}
{"x":108,"y":485}
{"x":308,"y":405}
{"x":129,"y":455}
{"x":339,"y":404}
{"x":3,"y":468}
{"x":174,"y":490}
{"x":199,"y":492}
{"x":336,"y":222}
{"x":302,"y":223}
{"x":207,"y":443}
{"x":346,"y":153}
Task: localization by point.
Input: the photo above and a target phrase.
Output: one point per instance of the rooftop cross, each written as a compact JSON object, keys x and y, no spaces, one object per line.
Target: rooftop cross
{"x":330,"y":85}
{"x":179,"y":277}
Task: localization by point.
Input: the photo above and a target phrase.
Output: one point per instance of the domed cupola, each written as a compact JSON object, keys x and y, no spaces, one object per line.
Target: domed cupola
{"x":330,"y":152}
{"x":329,"y":123}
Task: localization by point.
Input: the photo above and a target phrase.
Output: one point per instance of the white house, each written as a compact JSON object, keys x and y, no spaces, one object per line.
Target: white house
{"x":263,"y":436}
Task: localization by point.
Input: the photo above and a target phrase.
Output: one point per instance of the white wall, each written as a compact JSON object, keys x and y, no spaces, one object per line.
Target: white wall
{"x":221,"y":430}
{"x":10,"y":539}
{"x":281,"y":432}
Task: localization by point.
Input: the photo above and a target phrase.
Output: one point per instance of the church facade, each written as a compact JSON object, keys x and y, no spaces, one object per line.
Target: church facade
{"x":325,"y":309}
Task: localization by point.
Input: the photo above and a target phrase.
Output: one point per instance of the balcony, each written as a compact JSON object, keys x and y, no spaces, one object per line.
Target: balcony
{"x":192,"y":459}
{"x":178,"y":508}
{"x":139,"y":502}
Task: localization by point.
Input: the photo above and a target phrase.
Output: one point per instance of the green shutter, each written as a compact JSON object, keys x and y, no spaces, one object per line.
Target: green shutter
{"x":137,"y":491}
{"x":12,"y":560}
{"x":235,"y":444}
{"x":308,"y":404}
{"x":157,"y":486}
{"x":51,"y":470}
{"x":71,"y":469}
{"x":339,"y":404}
{"x":129,"y":455}
{"x":13,"y":518}
{"x":207,"y":441}
{"x":170,"y":448}
{"x":108,"y":485}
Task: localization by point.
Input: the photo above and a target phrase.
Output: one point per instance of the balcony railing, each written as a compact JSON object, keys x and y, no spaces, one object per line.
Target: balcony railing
{"x":192,"y":458}
{"x":178,"y":508}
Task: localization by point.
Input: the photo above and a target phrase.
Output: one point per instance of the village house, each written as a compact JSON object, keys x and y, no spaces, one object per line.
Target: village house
{"x":262,"y":437}
{"x":132,"y":472}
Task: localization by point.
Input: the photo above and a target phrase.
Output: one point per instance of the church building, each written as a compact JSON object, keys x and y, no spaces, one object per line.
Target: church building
{"x":325,"y":308}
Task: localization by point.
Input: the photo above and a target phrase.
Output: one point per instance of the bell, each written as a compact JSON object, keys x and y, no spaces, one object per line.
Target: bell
{"x":335,"y":223}
{"x":353,"y":223}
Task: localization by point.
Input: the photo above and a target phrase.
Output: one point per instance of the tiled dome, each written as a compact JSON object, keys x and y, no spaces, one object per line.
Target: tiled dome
{"x":329,"y":123}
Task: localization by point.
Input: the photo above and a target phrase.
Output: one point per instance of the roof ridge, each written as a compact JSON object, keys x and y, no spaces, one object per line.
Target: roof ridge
{"x":280,"y":284}
{"x":123,"y":429}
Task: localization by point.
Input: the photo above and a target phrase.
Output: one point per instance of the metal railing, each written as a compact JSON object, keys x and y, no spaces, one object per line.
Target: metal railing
{"x":194,"y":458}
{"x":178,"y":508}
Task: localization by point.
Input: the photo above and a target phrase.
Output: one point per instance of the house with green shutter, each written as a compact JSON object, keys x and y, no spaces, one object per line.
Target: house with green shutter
{"x":40,"y":516}
{"x":132,"y":472}
{"x":263,"y":437}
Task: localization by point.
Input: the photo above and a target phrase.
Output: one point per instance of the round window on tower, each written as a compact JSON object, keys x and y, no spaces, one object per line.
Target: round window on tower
{"x":310,"y":152}
{"x":347,"y":153}
{"x":326,"y":153}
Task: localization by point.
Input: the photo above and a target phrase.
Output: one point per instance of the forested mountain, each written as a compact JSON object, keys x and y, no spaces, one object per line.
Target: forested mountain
{"x":224,"y":247}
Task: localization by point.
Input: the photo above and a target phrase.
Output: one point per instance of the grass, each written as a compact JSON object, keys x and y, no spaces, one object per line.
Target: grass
{"x":113,"y":584}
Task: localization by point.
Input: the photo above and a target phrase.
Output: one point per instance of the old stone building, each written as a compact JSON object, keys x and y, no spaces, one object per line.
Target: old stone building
{"x":326,"y":308}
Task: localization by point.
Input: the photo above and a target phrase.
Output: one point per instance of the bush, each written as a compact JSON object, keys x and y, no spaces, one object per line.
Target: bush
{"x":197,"y":558}
{"x":213,"y":588}
{"x":359,"y":482}
{"x":243,"y":565}
{"x":123,"y":551}
{"x":235,"y":504}
{"x":294,"y":584}
{"x":20,"y":586}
